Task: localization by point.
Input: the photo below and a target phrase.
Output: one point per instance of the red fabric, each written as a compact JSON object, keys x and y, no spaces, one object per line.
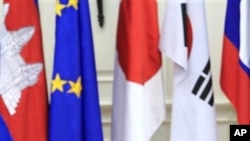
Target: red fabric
{"x":235,"y":82}
{"x":137,"y":40}
{"x":29,"y":123}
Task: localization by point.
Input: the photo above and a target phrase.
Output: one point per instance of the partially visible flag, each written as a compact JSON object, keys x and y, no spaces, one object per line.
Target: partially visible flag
{"x":235,"y":69}
{"x":23,"y":103}
{"x":138,"y":100}
{"x":74,"y":109}
{"x":184,"y":40}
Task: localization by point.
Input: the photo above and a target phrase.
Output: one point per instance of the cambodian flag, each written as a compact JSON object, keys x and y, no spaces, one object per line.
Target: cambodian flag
{"x":23,"y":93}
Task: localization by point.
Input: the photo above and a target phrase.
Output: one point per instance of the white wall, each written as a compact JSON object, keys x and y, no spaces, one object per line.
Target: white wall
{"x":104,"y":41}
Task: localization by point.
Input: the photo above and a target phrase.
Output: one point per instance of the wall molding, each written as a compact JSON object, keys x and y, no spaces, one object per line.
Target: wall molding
{"x":224,"y":112}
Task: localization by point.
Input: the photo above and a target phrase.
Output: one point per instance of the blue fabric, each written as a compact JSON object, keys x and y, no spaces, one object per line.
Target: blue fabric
{"x":36,"y":2}
{"x":71,"y":117}
{"x":232,"y":28}
{"x":232,"y":25}
{"x":245,"y":68}
{"x":4,"y":132}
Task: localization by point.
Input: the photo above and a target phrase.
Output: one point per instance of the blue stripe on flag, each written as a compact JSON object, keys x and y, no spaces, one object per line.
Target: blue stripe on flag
{"x":4,"y":132}
{"x":36,"y":2}
{"x":245,"y":68}
{"x":232,"y":27}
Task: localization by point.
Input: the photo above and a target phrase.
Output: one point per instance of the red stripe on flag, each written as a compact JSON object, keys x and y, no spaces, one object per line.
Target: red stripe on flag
{"x":235,"y":82}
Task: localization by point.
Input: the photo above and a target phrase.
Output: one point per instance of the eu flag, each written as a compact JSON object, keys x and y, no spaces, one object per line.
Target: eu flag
{"x":74,"y":108}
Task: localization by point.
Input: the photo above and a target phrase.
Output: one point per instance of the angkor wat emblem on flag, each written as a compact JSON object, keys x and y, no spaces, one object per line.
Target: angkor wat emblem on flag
{"x":15,"y":74}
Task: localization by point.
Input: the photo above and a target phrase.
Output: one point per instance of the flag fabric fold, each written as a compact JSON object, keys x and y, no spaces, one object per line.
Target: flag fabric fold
{"x":138,"y":100}
{"x":23,"y":93}
{"x":184,"y":41}
{"x":235,"y":68}
{"x":74,"y":109}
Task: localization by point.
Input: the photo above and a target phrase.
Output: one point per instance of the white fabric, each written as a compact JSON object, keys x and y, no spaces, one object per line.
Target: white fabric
{"x":138,"y":110}
{"x":193,"y":119}
{"x":245,"y":32}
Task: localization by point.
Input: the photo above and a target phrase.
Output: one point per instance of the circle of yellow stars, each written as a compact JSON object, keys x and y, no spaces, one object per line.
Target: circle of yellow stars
{"x":60,"y":7}
{"x":58,"y":83}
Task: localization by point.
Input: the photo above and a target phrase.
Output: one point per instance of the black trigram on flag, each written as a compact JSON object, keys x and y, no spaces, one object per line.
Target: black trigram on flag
{"x":203,"y":86}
